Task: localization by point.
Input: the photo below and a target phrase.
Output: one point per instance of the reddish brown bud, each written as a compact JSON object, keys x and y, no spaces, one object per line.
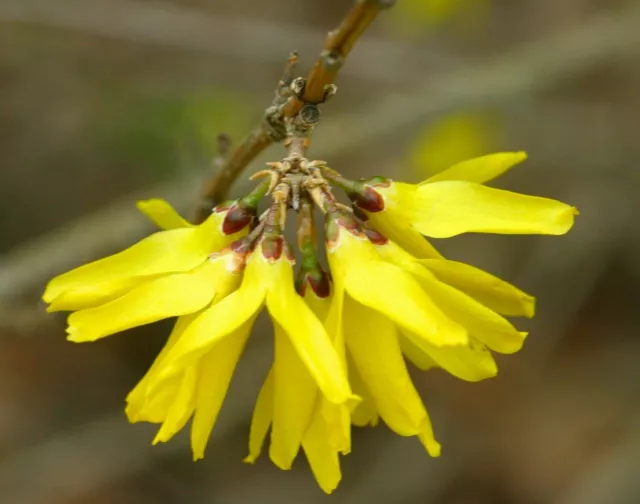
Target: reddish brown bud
{"x":289,"y":253}
{"x":359,"y":213}
{"x":368,"y":199}
{"x":242,"y":246}
{"x":272,"y":247}
{"x":318,"y":279}
{"x":238,"y":217}
{"x":375,"y":237}
{"x":336,"y":219}
{"x":320,"y":284}
{"x":349,"y":223}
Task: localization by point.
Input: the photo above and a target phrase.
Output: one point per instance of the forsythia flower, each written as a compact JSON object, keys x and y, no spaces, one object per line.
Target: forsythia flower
{"x":298,"y":415}
{"x":182,"y":272}
{"x":455,"y":201}
{"x":389,"y":296}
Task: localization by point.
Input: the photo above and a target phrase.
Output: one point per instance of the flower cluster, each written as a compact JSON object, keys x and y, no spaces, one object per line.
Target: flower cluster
{"x":343,"y":336}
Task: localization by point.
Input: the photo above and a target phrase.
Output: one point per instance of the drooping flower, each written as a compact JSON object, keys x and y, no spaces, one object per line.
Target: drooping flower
{"x":216,"y":284}
{"x":456,"y":201}
{"x":366,"y":255}
{"x":389,"y":296}
{"x":290,"y":403}
{"x":164,"y":275}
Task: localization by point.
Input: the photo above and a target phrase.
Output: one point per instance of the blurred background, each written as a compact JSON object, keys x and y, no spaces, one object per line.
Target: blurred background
{"x":104,"y":102}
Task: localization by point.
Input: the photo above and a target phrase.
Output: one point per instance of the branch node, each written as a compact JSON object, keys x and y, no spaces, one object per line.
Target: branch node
{"x":289,"y":69}
{"x":330,"y":91}
{"x":332,"y":60}
{"x":298,"y":85}
{"x":309,"y":115}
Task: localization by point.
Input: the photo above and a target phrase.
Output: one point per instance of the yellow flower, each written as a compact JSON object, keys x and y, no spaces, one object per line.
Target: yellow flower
{"x":267,"y":280}
{"x":191,"y":272}
{"x":455,"y":201}
{"x":437,"y":313}
{"x":164,"y":275}
{"x":212,"y":342}
{"x":373,"y":299}
{"x":300,"y":417}
{"x":390,"y":296}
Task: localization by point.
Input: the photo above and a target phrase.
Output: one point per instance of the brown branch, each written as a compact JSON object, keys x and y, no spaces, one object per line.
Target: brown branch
{"x":216,"y":189}
{"x":337,"y":47}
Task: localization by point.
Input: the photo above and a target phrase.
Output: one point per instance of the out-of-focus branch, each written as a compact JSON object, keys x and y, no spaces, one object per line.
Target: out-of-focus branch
{"x":527,"y":70}
{"x":217,"y":187}
{"x":176,"y":26}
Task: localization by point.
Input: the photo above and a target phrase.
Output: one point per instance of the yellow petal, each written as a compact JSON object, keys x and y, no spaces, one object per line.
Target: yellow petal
{"x":404,"y":235}
{"x":484,"y":324}
{"x":391,"y":291}
{"x":373,"y":344}
{"x":491,"y":291}
{"x":162,"y":214}
{"x":303,"y":328}
{"x":481,"y":169}
{"x":94,"y":295}
{"x":336,"y":417}
{"x":176,"y":250}
{"x":261,"y":419}
{"x":181,"y":408}
{"x":428,"y":440}
{"x":323,"y":459}
{"x":445,"y":209}
{"x":164,"y":297}
{"x":140,"y":407}
{"x":214,"y":324}
{"x":415,"y":355}
{"x":471,"y":362}
{"x":172,"y":251}
{"x":294,"y":399}
{"x":216,"y":370}
{"x":366,"y":412}
{"x":395,"y":221}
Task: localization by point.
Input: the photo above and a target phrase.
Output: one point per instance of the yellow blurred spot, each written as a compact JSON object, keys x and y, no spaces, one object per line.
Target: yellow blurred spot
{"x":412,"y":16}
{"x":453,"y":139}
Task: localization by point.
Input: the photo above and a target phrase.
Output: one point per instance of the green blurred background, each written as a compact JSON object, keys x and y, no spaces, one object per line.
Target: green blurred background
{"x":103,"y":102}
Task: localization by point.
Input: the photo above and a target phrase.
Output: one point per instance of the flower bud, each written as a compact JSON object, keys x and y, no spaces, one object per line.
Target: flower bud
{"x":239,"y":215}
{"x":316,"y":278}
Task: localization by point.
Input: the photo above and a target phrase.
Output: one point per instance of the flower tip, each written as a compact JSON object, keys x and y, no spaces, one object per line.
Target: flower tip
{"x":132,"y":414}
{"x":565,"y":219}
{"x":329,"y":489}
{"x":520,"y":156}
{"x":282,"y":461}
{"x":49,"y":293}
{"x":143,"y":205}
{"x":249,"y":459}
{"x":74,"y":335}
{"x":529,"y":305}
{"x":428,"y":441}
{"x":433,"y":448}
